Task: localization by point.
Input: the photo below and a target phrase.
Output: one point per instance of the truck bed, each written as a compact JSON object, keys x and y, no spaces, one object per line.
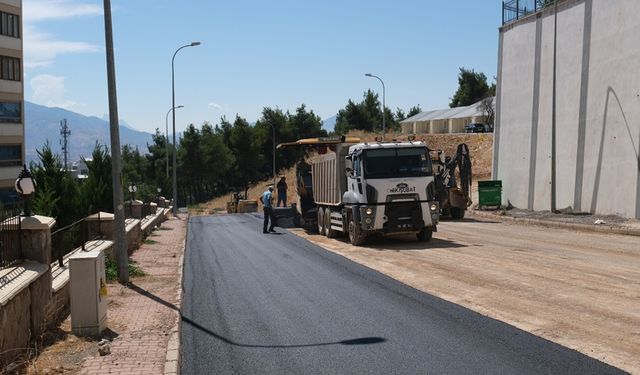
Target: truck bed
{"x":328,"y":178}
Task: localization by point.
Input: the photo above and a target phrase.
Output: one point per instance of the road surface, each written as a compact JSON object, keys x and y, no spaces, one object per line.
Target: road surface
{"x":278,"y":304}
{"x":578,"y":289}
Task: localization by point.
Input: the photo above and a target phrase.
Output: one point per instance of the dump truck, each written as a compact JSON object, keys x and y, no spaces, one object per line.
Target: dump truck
{"x":363,"y":189}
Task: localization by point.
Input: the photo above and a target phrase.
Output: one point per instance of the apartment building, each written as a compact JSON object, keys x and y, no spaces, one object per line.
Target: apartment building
{"x":11,"y":97}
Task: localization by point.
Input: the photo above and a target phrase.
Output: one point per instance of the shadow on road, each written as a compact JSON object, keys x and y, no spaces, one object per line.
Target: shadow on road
{"x":410,"y":243}
{"x":481,"y":220}
{"x":356,"y":341}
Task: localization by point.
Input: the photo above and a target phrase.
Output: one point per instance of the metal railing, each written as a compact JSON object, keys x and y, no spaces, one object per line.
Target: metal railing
{"x":10,"y":244}
{"x":147,"y":210}
{"x":513,"y":10}
{"x":67,"y":238}
{"x":64,"y":240}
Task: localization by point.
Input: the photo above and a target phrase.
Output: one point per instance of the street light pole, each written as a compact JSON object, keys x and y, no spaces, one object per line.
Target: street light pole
{"x":383,"y":103}
{"x":166,"y":133}
{"x":173,"y":105}
{"x":122,"y":256}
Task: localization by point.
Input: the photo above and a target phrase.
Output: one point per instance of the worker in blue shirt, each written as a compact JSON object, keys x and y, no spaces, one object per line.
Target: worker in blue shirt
{"x":267,"y":202}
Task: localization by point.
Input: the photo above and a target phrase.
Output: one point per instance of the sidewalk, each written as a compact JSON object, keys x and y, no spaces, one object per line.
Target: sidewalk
{"x":579,"y":222}
{"x":143,"y":317}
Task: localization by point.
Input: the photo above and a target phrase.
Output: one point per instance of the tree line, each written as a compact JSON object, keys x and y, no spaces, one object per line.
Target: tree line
{"x":212,"y":160}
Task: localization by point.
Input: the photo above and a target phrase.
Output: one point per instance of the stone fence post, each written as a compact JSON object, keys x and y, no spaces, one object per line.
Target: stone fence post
{"x":101,"y":225}
{"x":136,"y":208}
{"x":36,"y":246}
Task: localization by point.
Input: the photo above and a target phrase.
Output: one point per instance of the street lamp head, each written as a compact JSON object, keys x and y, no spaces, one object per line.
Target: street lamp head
{"x":368,"y":75}
{"x":25,"y":184}
{"x":193,"y":44}
{"x":180,"y":106}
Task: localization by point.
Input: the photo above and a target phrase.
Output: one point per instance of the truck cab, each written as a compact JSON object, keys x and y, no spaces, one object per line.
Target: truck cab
{"x":390,"y":190}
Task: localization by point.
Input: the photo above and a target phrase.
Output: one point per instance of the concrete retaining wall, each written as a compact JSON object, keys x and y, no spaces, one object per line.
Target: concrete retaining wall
{"x":598,"y":108}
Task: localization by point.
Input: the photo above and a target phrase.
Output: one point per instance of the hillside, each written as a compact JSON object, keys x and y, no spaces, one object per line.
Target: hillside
{"x":480,"y":148}
{"x":42,"y":124}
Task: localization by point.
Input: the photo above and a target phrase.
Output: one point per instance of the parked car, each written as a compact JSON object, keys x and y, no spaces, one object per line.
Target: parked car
{"x":475,"y":128}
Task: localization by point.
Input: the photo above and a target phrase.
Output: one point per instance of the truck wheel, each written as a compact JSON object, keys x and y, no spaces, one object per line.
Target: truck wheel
{"x":331,"y":233}
{"x":321,"y":228}
{"x":425,"y":235}
{"x":356,"y":237}
{"x":457,"y":213}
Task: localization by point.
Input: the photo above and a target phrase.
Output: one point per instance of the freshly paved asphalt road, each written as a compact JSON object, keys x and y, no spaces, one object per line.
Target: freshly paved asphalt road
{"x":277,"y":304}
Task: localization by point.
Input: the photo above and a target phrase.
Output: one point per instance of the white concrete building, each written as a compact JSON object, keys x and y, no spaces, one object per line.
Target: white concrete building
{"x":79,"y":169}
{"x":11,"y":97}
{"x":442,"y":121}
{"x":598,"y":108}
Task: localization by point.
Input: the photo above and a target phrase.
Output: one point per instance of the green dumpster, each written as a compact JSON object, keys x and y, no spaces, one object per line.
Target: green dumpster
{"x":489,"y":193}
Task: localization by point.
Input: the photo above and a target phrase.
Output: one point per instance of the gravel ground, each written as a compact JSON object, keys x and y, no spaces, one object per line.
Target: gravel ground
{"x":566,"y":216}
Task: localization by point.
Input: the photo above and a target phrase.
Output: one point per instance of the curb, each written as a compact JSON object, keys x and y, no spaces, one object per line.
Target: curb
{"x":608,"y":229}
{"x":173,"y":360}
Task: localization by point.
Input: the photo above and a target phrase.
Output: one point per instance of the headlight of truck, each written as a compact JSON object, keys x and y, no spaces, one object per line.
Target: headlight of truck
{"x":368,"y":211}
{"x":433,"y":207}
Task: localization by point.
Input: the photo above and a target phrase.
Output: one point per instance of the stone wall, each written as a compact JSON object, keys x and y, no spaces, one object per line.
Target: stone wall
{"x":15,"y":320}
{"x":134,"y":235}
{"x":58,"y":307}
{"x":30,"y":301}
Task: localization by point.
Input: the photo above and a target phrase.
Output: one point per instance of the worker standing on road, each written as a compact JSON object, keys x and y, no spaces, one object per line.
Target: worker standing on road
{"x":267,"y":202}
{"x":282,"y":192}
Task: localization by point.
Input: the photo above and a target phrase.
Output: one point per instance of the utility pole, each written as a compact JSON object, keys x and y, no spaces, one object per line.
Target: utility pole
{"x":116,"y":165}
{"x":65,"y":132}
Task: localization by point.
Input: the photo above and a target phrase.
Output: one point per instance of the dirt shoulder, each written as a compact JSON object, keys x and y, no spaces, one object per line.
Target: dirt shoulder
{"x":578,"y":289}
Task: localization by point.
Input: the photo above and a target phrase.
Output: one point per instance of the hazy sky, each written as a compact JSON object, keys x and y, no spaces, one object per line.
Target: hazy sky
{"x":278,"y":53}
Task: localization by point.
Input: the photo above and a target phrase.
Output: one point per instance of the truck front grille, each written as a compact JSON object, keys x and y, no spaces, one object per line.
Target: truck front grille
{"x":403,"y":213}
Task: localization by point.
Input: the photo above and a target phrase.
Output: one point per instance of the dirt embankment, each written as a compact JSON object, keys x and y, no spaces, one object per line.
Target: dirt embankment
{"x":480,"y":148}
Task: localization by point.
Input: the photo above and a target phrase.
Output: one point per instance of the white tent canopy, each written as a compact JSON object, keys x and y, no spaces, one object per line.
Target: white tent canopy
{"x":448,"y":120}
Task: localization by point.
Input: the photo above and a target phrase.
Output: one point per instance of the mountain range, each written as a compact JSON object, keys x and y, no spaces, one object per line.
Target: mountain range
{"x":42,"y":124}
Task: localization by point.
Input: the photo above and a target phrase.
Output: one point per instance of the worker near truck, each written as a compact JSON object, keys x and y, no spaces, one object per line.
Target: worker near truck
{"x":267,"y":203}
{"x":282,"y":191}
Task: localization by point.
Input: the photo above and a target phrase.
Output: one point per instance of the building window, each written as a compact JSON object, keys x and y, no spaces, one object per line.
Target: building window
{"x":10,"y":112}
{"x":10,"y":68}
{"x":9,"y":24}
{"x":10,"y":155}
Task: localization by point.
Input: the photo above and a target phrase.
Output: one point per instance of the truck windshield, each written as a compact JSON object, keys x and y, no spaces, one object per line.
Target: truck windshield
{"x":396,"y":162}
